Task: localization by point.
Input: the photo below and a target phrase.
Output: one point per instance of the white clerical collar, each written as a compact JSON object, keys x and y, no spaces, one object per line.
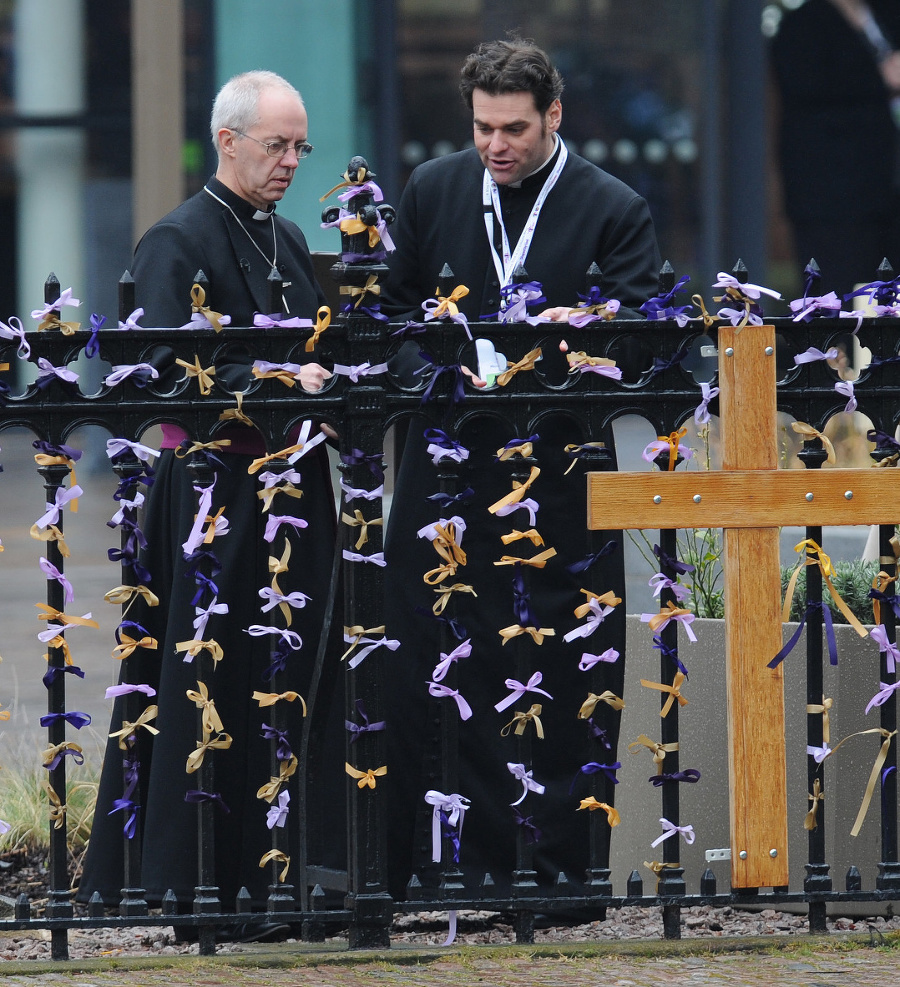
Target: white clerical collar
{"x":261,"y":215}
{"x":547,"y":161}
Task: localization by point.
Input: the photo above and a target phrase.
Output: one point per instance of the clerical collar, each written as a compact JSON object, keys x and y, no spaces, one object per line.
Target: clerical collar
{"x":243,"y":208}
{"x":538,"y":176}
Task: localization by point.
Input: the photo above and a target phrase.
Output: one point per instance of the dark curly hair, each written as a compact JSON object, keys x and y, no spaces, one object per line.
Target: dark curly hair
{"x":511,"y":66}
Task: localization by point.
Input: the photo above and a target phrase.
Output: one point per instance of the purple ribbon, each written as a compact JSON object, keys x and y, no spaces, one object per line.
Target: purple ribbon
{"x":447,"y":818}
{"x":202,"y":615}
{"x":203,"y":583}
{"x":92,"y":346}
{"x":829,"y":635}
{"x":691,"y":775}
{"x":457,"y":387}
{"x":441,"y":446}
{"x":279,"y":659}
{"x":51,"y":449}
{"x":661,"y":307}
{"x":669,"y":561}
{"x":880,"y":292}
{"x":589,"y":560}
{"x":882,"y":440}
{"x":76,"y":756}
{"x":54,"y":672}
{"x":445,"y":500}
{"x":77,"y":719}
{"x":131,"y":322}
{"x":126,"y":805}
{"x":351,"y":493}
{"x":358,"y":729}
{"x":456,"y":627}
{"x":598,"y":733}
{"x":196,"y":795}
{"x":890,"y":600}
{"x":522,"y":600}
{"x":659,"y":365}
{"x":373,"y":461}
{"x":532,"y":833}
{"x":670,"y":653}
{"x":593,"y":768}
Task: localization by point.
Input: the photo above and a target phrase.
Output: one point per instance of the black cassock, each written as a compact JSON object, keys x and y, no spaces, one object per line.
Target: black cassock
{"x":588,"y":217}
{"x":203,"y":234}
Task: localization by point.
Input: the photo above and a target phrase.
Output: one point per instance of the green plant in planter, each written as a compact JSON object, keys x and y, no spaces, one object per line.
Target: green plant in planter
{"x":701,"y":548}
{"x":852,"y":579}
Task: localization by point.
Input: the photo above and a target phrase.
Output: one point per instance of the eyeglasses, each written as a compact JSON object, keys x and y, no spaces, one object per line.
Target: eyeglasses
{"x":278,"y":149}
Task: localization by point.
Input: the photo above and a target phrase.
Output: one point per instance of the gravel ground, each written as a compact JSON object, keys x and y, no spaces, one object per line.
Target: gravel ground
{"x":475,"y":928}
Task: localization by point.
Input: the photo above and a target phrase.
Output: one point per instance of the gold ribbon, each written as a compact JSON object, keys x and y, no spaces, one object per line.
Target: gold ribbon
{"x":657,"y":866}
{"x":198,"y":304}
{"x":258,"y":464}
{"x":353,"y":225}
{"x":447,"y":305}
{"x":823,"y":708}
{"x":591,"y":804}
{"x":51,"y":321}
{"x":129,"y":728}
{"x":127,"y":594}
{"x":323,"y":321}
{"x":358,"y":521}
{"x":51,"y":752}
{"x":733,"y":294}
{"x":708,"y":320}
{"x":881,"y":582}
{"x":60,"y":642}
{"x":815,"y":556}
{"x":5,"y":714}
{"x":272,"y":855}
{"x":278,"y":566}
{"x":524,"y":449}
{"x":348,"y":182}
{"x":607,"y":599}
{"x":270,"y":698}
{"x":574,"y":447}
{"x":808,"y":432}
{"x":354,"y":291}
{"x":672,"y":440}
{"x":817,"y":796}
{"x":515,"y":535}
{"x":610,"y":698}
{"x":204,"y":376}
{"x":267,"y":494}
{"x":123,"y":650}
{"x":518,"y":491}
{"x":444,"y":543}
{"x":365,"y":778}
{"x":285,"y":376}
{"x":210,"y":720}
{"x":521,"y":720}
{"x":51,"y":533}
{"x":440,"y":604}
{"x":537,"y":634}
{"x":668,"y":612}
{"x":57,"y":809}
{"x":49,"y":613}
{"x":219,"y":445}
{"x":195,"y":646}
{"x":526,"y":363}
{"x":579,"y":358}
{"x":658,"y":750}
{"x":538,"y":561}
{"x":674,"y":691}
{"x":195,"y":759}
{"x":873,"y":777}
{"x":358,"y":632}
{"x":237,"y":414}
{"x":269,"y":791}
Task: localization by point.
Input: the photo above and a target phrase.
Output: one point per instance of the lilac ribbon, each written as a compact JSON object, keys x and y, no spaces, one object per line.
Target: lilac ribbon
{"x":657,"y":446}
{"x":589,"y":560}
{"x":277,"y":814}
{"x":370,"y":644}
{"x":880,"y":698}
{"x":358,"y":729}
{"x":453,"y":808}
{"x":65,"y":298}
{"x":701,"y":412}
{"x":293,"y":370}
{"x":805,"y":308}
{"x":614,"y":373}
{"x":685,"y":619}
{"x":362,"y":370}
{"x":410,"y":329}
{"x":291,"y":638}
{"x":750,"y":290}
{"x":297,"y":600}
{"x":441,"y":446}
{"x":352,"y":493}
{"x":126,"y":688}
{"x":51,"y":572}
{"x":118,"y":447}
{"x":275,"y":521}
{"x":54,"y":672}
{"x":125,"y":504}
{"x":269,"y":322}
{"x":812,"y":355}
{"x":593,"y":768}
{"x":15,"y":330}
{"x":204,"y":613}
{"x":270,"y":479}
{"x":588,"y":661}
{"x":196,"y":795}
{"x":62,"y":497}
{"x":430,"y":532}
{"x":49,"y":371}
{"x":878,"y":634}
{"x":659,"y":582}
{"x":532,"y":833}
{"x":376,"y":558}
{"x":75,"y":718}
{"x":528,"y":783}
{"x":598,"y":613}
{"x":440,"y":691}
{"x":131,"y":321}
{"x":670,"y":829}
{"x":306,"y":443}
{"x":690,"y":775}
{"x":200,"y":321}
{"x":519,"y":690}
{"x":443,"y":666}
{"x":517,"y":298}
{"x":818,"y":754}
{"x":444,"y":500}
{"x":845,"y":389}
{"x":829,"y":635}
{"x":365,"y":188}
{"x":195,"y":537}
{"x":525,"y":504}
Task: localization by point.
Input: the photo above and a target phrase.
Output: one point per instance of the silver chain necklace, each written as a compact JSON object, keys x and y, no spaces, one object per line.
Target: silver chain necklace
{"x":273,"y":263}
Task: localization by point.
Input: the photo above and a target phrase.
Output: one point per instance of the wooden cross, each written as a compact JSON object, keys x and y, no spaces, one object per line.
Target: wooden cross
{"x":750,"y":498}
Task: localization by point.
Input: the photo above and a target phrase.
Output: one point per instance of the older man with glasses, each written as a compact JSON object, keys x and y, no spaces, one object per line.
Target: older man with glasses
{"x":231,"y":232}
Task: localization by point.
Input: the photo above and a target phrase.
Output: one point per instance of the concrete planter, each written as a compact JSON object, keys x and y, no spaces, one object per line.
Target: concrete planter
{"x":703,"y":732}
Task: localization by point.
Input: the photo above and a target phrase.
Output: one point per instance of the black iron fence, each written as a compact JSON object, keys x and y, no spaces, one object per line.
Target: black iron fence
{"x":361,"y":404}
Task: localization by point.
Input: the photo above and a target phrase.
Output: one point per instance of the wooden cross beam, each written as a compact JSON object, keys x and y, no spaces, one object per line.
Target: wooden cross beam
{"x":750,"y":498}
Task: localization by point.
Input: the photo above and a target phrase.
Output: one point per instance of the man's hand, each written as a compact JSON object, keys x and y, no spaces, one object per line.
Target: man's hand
{"x":558,"y":314}
{"x":313,"y":376}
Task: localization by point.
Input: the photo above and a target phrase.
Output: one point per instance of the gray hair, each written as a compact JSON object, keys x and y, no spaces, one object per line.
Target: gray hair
{"x":236,"y":107}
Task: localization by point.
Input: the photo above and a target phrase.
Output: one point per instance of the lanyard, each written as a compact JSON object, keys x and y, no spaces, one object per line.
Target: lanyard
{"x":490,"y":198}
